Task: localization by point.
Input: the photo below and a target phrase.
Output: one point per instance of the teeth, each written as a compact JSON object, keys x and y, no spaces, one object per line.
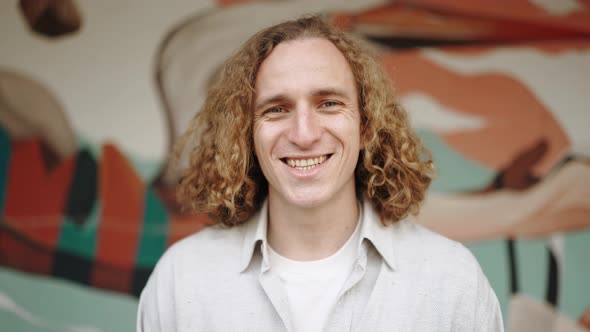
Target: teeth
{"x":305,"y":164}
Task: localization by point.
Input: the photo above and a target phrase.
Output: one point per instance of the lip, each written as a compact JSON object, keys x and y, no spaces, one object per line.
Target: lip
{"x":308,"y":156}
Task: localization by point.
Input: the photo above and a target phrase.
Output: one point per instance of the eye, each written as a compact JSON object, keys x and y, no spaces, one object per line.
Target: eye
{"x":275,"y":110}
{"x":329,"y":103}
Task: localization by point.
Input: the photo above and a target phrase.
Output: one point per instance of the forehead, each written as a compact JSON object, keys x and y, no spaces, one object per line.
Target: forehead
{"x":301,"y":65}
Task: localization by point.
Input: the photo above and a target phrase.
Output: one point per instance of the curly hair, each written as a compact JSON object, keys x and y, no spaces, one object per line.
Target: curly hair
{"x":224,"y":179}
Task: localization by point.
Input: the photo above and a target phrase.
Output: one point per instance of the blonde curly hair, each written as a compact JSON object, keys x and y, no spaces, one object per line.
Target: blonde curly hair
{"x":224,"y":179}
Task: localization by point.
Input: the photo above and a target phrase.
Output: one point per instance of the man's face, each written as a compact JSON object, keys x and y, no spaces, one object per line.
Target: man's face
{"x":307,"y":123}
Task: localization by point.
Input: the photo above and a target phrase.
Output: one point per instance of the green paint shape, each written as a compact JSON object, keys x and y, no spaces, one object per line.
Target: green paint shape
{"x":154,"y":232}
{"x":454,"y":172}
{"x":533,"y":268}
{"x":80,"y":240}
{"x":4,"y":162}
{"x":59,"y":305}
{"x":493,"y":258}
{"x":574,"y":296}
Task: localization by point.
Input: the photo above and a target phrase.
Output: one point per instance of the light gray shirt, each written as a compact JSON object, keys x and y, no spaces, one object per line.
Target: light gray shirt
{"x":405,"y":278}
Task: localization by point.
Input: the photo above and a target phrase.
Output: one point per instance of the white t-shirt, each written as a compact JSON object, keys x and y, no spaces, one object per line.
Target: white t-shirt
{"x":312,"y":287}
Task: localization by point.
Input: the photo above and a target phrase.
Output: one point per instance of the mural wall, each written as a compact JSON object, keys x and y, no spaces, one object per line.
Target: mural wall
{"x":92,"y":95}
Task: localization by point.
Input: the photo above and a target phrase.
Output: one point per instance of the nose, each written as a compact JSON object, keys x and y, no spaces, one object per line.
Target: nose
{"x":305,"y":129}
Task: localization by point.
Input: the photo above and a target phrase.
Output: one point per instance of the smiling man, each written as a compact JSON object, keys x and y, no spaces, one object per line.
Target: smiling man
{"x":305,"y":161}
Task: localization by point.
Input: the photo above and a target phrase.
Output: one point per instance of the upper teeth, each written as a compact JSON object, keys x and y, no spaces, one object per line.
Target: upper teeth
{"x":306,"y":162}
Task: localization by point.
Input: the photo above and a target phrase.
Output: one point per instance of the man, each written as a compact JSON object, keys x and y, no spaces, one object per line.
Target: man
{"x":303,"y":155}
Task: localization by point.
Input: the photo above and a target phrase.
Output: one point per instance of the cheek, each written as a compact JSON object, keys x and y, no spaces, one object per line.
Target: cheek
{"x":258,"y":145}
{"x":348,"y":130}
{"x":264,"y":137}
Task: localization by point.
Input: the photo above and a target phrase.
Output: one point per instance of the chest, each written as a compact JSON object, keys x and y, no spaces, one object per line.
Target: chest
{"x":376,"y":298}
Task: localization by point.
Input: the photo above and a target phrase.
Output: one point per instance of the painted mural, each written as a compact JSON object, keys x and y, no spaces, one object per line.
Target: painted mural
{"x":92,"y":96}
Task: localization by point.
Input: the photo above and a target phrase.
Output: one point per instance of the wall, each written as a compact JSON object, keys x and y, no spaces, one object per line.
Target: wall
{"x":87,"y":118}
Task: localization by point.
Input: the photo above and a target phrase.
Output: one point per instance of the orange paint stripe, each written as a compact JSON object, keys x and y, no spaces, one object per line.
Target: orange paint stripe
{"x":36,"y":197}
{"x":519,"y":10}
{"x":515,"y":118}
{"x":122,"y":197}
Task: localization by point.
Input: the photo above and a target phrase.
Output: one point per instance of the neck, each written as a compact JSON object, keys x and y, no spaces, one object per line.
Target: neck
{"x":311,"y":233}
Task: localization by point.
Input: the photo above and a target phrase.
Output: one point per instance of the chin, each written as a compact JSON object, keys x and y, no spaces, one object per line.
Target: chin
{"x":307,"y":199}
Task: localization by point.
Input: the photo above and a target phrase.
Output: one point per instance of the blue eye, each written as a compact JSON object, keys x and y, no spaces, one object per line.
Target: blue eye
{"x":329,"y":103}
{"x":275,"y":110}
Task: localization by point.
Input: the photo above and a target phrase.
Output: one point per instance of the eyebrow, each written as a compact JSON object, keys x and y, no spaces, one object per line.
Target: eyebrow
{"x":271,"y":100}
{"x":330,"y":92}
{"x":315,"y":93}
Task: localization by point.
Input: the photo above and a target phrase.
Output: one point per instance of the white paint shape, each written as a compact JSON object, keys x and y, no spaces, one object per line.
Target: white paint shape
{"x":529,"y":314}
{"x":560,"y":7}
{"x":426,"y":112}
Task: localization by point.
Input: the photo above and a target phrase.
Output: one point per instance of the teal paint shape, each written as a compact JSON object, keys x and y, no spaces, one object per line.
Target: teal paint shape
{"x":14,"y":322}
{"x":4,"y":163}
{"x":493,"y":258}
{"x":574,"y":295}
{"x":532,"y":257}
{"x":80,"y":240}
{"x":454,"y":172}
{"x":59,"y":305}
{"x":154,"y":231}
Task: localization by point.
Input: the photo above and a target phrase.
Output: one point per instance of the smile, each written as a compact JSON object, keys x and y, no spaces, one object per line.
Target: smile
{"x":305,"y":163}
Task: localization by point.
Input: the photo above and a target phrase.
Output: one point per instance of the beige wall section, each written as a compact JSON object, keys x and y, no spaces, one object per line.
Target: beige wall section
{"x":103,"y":74}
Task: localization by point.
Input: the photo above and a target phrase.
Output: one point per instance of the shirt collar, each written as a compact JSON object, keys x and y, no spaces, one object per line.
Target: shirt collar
{"x":378,"y":234}
{"x":254,"y":232}
{"x":372,"y":229}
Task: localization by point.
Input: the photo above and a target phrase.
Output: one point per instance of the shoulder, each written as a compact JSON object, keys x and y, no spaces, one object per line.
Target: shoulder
{"x":175,"y":273}
{"x":447,"y":271}
{"x":440,"y":261}
{"x":210,"y":252}
{"x":413,"y":242}
{"x":213,"y":245}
